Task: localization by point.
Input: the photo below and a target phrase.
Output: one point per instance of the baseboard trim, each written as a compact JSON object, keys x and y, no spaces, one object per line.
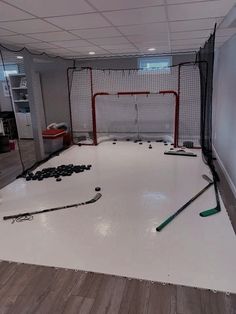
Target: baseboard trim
{"x":227,"y":176}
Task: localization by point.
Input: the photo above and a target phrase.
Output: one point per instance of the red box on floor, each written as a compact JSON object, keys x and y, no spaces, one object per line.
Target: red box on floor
{"x":53,"y":140}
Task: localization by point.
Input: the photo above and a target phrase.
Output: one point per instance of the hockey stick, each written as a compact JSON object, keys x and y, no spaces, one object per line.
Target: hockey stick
{"x":172,"y":217}
{"x":215,"y":210}
{"x":29,"y":215}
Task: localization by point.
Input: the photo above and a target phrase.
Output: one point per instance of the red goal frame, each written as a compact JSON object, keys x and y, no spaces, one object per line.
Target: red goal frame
{"x":132,"y":93}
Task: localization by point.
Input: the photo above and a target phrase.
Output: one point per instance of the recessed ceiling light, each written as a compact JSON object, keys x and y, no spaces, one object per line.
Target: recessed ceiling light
{"x":151,"y":49}
{"x":19,"y":57}
{"x":91,"y":53}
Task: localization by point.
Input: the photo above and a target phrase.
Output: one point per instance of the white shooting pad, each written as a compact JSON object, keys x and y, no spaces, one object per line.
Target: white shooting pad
{"x":116,"y":235}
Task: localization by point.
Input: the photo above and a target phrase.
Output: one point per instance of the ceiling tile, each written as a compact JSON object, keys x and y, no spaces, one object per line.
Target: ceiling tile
{"x":87,"y":49}
{"x":148,"y":37}
{"x":183,"y":1}
{"x":71,"y":43}
{"x":182,"y":26}
{"x":160,"y":49}
{"x":198,"y":10}
{"x":90,"y":20}
{"x":104,"y":5}
{"x":96,"y":32}
{"x":57,"y":51}
{"x":161,"y":27}
{"x":110,"y":41}
{"x":146,"y":45}
{"x":41,"y":45}
{"x":53,"y":36}
{"x":29,"y":26}
{"x":191,"y":34}
{"x":19,"y":39}
{"x":43,"y":8}
{"x":137,"y":16}
{"x":125,"y":47}
{"x":9,"y":13}
{"x":197,"y":41}
{"x":184,"y":48}
{"x":4,"y":32}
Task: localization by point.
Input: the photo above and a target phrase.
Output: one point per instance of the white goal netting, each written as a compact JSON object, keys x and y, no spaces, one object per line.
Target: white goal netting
{"x":136,"y":116}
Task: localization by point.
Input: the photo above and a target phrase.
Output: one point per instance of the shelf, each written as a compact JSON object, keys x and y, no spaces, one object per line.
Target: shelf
{"x":22,"y":100}
{"x":18,"y":88}
{"x":17,"y":74}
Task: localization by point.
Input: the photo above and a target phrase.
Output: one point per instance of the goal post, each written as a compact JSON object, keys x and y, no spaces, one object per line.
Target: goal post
{"x":141,"y":119}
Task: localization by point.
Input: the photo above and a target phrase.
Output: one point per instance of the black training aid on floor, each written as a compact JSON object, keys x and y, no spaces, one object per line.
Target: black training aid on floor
{"x":172,"y":217}
{"x":26,"y":216}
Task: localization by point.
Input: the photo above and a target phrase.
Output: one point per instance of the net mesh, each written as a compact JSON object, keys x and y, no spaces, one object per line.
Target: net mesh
{"x":190,"y":105}
{"x":135,"y":116}
{"x":117,"y":115}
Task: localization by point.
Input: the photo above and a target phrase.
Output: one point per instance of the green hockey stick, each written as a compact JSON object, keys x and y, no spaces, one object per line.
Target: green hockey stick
{"x":172,"y":217}
{"x":215,"y":210}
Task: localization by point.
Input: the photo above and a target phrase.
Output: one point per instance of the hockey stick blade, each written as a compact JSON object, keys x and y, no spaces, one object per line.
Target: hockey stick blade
{"x":215,"y":210}
{"x":172,"y":217}
{"x":205,"y":177}
{"x":27,"y":215}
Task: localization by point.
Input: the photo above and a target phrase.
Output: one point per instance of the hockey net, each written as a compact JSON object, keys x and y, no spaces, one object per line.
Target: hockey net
{"x":135,"y":104}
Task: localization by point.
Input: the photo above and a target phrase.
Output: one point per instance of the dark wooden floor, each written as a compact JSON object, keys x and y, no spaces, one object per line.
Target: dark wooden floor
{"x":36,"y":289}
{"x":10,"y":164}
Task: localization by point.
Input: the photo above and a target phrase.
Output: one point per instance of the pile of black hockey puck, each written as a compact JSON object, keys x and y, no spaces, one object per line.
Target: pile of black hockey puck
{"x":57,"y":172}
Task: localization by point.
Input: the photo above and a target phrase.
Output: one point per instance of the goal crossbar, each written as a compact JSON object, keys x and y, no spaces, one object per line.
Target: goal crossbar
{"x":134,"y":93}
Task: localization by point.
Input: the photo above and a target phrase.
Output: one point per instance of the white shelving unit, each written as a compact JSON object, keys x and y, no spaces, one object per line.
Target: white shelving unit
{"x":19,"y":94}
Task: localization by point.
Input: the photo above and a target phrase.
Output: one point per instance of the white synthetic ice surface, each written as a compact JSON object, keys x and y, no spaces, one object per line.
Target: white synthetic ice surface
{"x":116,"y":235}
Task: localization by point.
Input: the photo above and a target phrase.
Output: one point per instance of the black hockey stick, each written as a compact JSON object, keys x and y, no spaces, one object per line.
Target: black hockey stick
{"x":29,"y":215}
{"x":172,"y":217}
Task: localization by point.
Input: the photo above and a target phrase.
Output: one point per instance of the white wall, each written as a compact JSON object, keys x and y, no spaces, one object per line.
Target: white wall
{"x":224,"y":109}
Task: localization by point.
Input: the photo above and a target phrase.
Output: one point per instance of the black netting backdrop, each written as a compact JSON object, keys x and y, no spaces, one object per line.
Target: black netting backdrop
{"x":205,"y":57}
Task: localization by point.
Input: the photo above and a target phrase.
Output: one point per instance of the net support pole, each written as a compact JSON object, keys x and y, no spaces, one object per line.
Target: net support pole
{"x":95,"y":139}
{"x":176,"y":128}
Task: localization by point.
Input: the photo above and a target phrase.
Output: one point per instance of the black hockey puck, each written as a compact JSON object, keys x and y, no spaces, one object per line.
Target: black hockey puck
{"x":150,"y":146}
{"x":58,"y":179}
{"x":140,"y":143}
{"x":97,"y":189}
{"x":114,"y":143}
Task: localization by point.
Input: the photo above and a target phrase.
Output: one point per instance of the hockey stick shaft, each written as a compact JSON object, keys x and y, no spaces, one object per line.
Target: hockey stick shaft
{"x":93,"y":200}
{"x":172,"y":217}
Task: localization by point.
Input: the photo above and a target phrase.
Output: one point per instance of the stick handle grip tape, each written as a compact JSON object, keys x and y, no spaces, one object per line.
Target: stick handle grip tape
{"x":172,"y":217}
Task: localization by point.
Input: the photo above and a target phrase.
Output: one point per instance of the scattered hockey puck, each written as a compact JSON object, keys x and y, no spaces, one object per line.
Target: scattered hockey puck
{"x":97,"y":189}
{"x":140,"y":143}
{"x":115,"y":140}
{"x":150,"y":146}
{"x":149,"y":141}
{"x":165,"y":144}
{"x":127,"y":139}
{"x":114,"y":143}
{"x":58,"y":179}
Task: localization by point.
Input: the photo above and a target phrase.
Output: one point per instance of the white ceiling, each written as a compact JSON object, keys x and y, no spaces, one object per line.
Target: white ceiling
{"x":72,"y":28}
